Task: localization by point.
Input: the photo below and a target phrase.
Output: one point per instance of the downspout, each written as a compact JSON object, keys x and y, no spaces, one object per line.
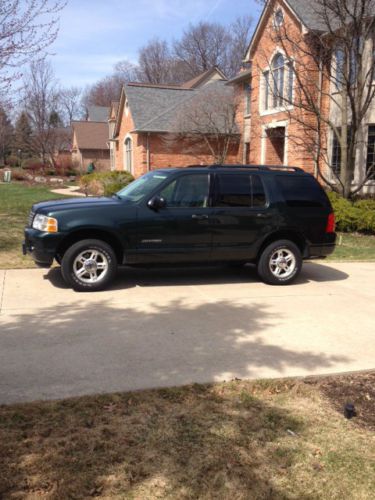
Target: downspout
{"x":148,"y":156}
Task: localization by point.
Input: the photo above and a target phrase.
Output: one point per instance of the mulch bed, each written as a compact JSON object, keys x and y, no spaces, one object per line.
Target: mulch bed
{"x":356,"y":388}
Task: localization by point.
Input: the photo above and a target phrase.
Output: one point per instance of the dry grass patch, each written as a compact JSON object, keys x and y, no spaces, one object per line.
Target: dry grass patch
{"x":240,"y":440}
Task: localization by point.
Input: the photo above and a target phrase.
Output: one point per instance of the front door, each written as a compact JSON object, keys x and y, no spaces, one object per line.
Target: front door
{"x":179,"y":232}
{"x":240,"y":216}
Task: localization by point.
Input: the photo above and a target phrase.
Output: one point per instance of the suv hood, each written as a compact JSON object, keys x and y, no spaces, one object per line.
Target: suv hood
{"x":73,"y":203}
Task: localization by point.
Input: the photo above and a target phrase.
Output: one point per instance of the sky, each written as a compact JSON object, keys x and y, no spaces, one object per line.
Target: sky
{"x":95,"y":34}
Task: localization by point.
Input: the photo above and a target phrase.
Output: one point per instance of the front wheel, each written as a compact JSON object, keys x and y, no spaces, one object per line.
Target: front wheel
{"x":89,"y":265}
{"x":280,"y":263}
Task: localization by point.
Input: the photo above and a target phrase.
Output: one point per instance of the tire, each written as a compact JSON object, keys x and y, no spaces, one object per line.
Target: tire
{"x":280,"y":263}
{"x":89,"y":265}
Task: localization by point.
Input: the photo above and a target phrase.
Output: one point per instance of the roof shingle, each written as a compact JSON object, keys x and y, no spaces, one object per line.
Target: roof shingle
{"x":91,"y":135}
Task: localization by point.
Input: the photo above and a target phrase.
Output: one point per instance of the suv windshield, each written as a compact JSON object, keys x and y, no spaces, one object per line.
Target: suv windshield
{"x":142,"y":187}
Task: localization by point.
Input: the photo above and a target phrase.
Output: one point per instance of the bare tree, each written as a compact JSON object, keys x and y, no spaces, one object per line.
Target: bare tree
{"x":41,"y":102}
{"x":71,"y":103}
{"x":126,"y":71}
{"x":27,"y":28}
{"x":202,"y":47}
{"x":240,"y":33}
{"x":208,"y":118}
{"x":155,"y":62}
{"x":333,"y":89}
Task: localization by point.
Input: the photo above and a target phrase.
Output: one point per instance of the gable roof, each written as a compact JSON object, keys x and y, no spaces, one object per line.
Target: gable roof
{"x":91,"y":135}
{"x":305,"y":11}
{"x":204,"y":78}
{"x":152,"y":106}
{"x":156,"y":110}
{"x":308,"y":12}
{"x":149,"y":105}
{"x":97,"y":113}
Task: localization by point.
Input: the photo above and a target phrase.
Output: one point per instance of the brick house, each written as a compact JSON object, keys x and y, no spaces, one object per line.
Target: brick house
{"x":141,"y":124}
{"x":272,"y":128}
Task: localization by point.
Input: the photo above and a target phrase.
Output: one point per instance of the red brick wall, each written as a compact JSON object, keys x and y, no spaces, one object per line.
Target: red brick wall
{"x":165,"y":150}
{"x":298,"y":135}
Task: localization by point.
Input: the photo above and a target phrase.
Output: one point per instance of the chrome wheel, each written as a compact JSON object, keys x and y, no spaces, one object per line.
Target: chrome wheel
{"x":282,"y":263}
{"x":90,"y":266}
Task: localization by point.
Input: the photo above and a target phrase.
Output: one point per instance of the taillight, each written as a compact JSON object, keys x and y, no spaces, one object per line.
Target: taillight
{"x":331,"y":223}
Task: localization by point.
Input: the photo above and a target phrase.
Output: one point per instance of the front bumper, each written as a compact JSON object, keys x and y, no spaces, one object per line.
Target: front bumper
{"x":41,"y":246}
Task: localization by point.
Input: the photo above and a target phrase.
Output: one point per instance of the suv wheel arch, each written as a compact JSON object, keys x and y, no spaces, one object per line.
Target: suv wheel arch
{"x":86,"y":234}
{"x":291,"y":235}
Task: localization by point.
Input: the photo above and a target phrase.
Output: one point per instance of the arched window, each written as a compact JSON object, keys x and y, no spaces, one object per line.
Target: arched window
{"x":278,"y":83}
{"x":128,"y":157}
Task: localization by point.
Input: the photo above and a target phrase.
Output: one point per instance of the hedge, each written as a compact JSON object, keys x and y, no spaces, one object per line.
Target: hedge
{"x":357,"y":216}
{"x":105,"y":183}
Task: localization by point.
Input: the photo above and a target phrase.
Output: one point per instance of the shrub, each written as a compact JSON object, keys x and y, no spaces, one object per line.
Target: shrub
{"x":34,"y":165}
{"x":353,"y":216}
{"x":105,"y":183}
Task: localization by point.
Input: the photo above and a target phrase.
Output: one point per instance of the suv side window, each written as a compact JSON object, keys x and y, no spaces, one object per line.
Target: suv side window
{"x":239,"y":190}
{"x":187,"y":191}
{"x":302,"y":191}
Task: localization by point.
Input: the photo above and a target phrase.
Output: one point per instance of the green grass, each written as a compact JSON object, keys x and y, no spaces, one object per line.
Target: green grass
{"x":15,"y":203}
{"x":354,"y":247}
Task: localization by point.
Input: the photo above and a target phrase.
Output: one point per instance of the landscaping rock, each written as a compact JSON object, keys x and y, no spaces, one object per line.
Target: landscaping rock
{"x":56,"y":180}
{"x":41,"y":180}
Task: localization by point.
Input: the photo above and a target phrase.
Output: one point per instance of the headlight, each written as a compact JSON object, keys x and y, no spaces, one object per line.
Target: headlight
{"x":45,"y":224}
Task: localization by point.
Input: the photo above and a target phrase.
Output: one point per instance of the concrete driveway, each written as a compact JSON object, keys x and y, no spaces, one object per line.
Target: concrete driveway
{"x":175,"y":326}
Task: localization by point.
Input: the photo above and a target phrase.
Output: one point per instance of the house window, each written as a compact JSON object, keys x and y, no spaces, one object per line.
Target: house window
{"x":128,"y":154}
{"x":370,"y":163}
{"x":336,"y":152}
{"x":278,"y":83}
{"x":278,"y":18}
{"x":247,"y":91}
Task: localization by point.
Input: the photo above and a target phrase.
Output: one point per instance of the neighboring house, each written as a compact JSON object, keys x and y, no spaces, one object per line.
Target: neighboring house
{"x":90,"y":144}
{"x":142,"y":126}
{"x":271,"y":131}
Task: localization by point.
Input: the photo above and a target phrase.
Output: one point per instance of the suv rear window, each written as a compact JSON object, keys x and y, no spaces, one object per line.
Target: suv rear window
{"x":239,"y":190}
{"x":302,"y":191}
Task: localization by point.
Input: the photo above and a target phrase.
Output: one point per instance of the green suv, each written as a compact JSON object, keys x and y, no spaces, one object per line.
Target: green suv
{"x":273,"y":217}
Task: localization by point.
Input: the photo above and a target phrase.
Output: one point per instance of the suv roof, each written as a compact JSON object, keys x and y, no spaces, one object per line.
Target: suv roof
{"x":263,"y":168}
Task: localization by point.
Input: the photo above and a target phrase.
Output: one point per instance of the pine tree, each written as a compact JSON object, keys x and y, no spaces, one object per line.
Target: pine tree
{"x":23,"y":135}
{"x":6,"y":134}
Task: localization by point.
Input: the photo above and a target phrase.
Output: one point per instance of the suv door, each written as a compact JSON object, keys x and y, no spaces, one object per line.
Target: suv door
{"x":180,"y":231}
{"x":241,"y":216}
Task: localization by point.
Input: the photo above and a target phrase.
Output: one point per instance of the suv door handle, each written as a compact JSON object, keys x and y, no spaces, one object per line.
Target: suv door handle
{"x":262,"y":216}
{"x":199,"y":217}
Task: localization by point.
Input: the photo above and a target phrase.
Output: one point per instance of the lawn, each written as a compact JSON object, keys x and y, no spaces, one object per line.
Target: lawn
{"x":15,"y":203}
{"x":240,"y":440}
{"x":354,"y":247}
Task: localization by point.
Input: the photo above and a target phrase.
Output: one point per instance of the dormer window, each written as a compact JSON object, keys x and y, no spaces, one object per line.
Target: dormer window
{"x":278,"y":18}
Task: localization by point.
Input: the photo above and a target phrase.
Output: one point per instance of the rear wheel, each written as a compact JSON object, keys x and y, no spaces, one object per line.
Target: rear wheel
{"x":280,"y":263}
{"x":89,"y":265}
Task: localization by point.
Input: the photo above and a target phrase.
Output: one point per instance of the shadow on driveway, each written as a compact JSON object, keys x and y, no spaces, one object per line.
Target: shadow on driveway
{"x":129,"y":277}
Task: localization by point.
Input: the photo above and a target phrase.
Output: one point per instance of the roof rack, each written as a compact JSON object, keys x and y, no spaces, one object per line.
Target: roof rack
{"x":252,"y":167}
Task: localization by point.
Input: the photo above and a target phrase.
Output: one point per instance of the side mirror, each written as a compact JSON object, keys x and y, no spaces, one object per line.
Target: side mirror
{"x":156,"y":203}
